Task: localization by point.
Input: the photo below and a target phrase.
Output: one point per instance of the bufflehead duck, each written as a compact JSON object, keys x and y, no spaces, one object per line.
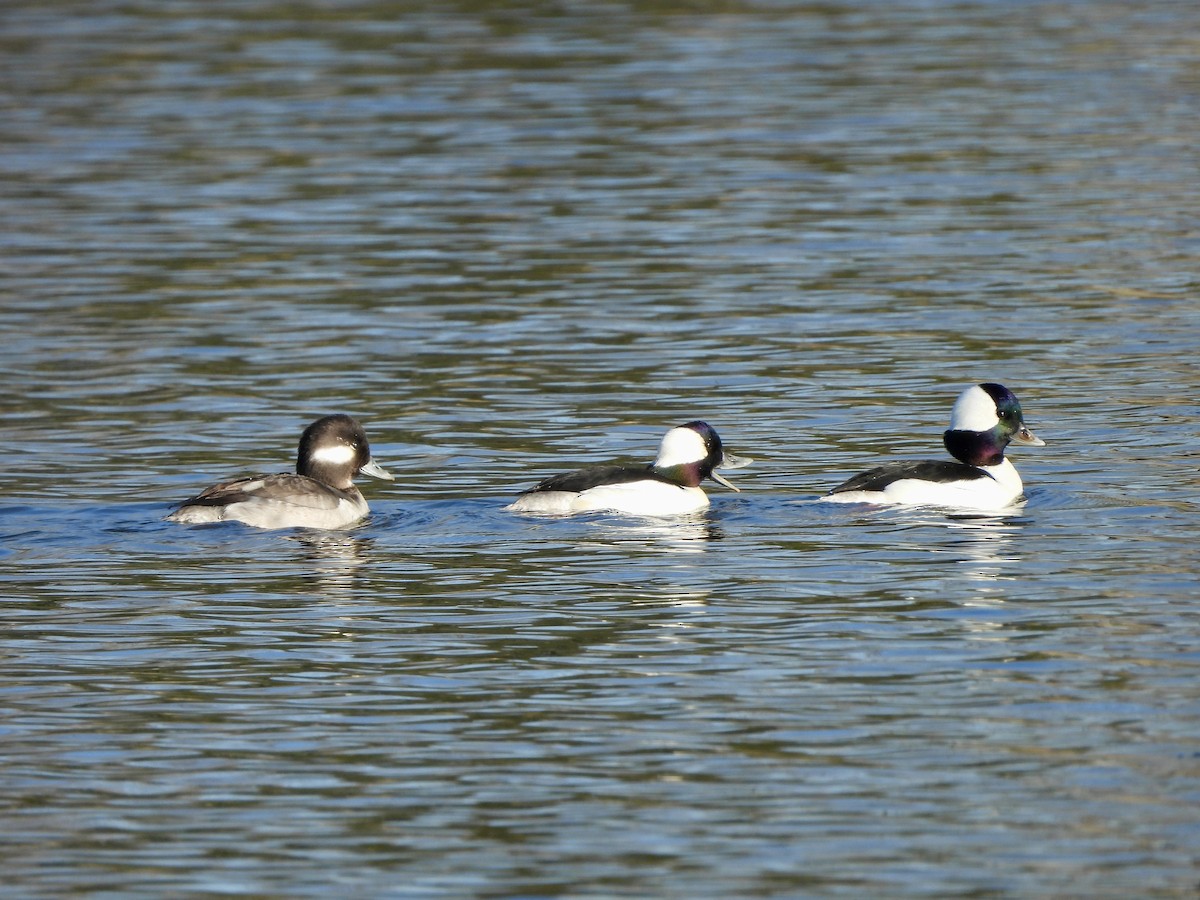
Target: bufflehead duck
{"x":669,"y":486}
{"x":985,"y":418}
{"x":321,"y":494}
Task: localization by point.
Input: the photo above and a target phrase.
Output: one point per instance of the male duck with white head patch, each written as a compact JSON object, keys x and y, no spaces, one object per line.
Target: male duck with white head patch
{"x":667,"y":487}
{"x":321,"y":493}
{"x":986,"y":418}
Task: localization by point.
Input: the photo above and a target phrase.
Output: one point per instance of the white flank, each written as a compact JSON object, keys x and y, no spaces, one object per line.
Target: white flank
{"x":284,"y":514}
{"x":974,"y":410}
{"x":1000,"y":491}
{"x":636,"y":498}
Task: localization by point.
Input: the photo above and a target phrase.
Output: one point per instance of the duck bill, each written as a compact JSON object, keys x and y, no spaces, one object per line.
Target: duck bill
{"x":730,"y":461}
{"x":720,"y":479}
{"x":375,"y":470}
{"x":1028,"y":438}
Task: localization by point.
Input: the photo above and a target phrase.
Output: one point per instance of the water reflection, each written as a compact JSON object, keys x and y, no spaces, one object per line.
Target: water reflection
{"x":335,"y":558}
{"x":684,"y":534}
{"x":988,"y":544}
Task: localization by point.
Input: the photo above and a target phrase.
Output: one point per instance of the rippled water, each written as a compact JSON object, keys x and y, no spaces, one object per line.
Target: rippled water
{"x":514,"y":239}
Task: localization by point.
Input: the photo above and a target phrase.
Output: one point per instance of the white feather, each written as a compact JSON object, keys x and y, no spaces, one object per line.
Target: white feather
{"x":334,"y":454}
{"x":636,"y":498}
{"x":276,"y":514}
{"x":1000,"y":491}
{"x":974,"y":410}
{"x":679,"y":446}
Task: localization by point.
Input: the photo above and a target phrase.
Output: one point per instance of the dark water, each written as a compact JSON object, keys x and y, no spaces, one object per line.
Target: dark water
{"x":513,"y":239}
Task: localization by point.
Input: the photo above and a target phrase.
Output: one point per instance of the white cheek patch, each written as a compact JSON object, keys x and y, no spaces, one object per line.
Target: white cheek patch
{"x":335,"y":455}
{"x":680,"y":445}
{"x":974,"y":410}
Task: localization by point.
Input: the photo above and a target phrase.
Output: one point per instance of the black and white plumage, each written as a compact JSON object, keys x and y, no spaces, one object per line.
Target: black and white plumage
{"x":986,"y":418}
{"x":668,"y":486}
{"x":320,"y":494}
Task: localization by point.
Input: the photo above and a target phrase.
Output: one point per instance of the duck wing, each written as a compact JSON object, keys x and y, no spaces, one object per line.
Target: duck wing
{"x":594,"y":476}
{"x":940,"y":471}
{"x":287,"y":488}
